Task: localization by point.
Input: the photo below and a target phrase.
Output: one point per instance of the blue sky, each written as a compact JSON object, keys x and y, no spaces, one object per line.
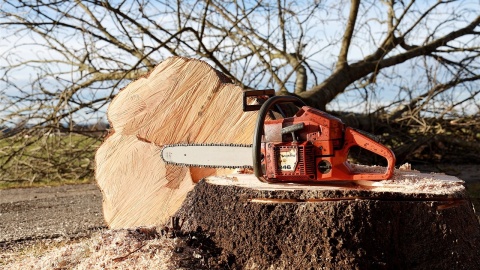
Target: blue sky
{"x":322,"y":44}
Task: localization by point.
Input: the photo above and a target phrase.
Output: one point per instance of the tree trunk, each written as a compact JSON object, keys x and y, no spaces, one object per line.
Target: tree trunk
{"x":415,"y":221}
{"x":181,"y":101}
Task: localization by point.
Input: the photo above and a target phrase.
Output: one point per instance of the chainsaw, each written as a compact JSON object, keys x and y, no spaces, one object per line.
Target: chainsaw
{"x":309,"y":147}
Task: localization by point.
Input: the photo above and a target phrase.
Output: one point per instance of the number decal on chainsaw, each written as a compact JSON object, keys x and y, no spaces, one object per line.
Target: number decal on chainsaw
{"x":287,"y":160}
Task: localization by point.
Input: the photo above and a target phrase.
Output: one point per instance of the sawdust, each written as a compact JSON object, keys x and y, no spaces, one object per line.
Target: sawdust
{"x":136,"y":248}
{"x":142,"y":248}
{"x":407,"y":180}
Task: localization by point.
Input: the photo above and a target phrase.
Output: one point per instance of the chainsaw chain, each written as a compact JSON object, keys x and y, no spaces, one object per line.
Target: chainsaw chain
{"x":206,"y":144}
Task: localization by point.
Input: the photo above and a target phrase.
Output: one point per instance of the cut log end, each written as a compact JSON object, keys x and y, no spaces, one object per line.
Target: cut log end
{"x":414,"y":221}
{"x":182,"y":100}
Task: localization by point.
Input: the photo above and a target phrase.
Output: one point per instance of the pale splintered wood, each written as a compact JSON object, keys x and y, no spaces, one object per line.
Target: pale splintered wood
{"x":181,"y":101}
{"x":403,"y":182}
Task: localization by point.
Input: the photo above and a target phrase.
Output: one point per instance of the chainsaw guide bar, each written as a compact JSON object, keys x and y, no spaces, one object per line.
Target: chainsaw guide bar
{"x":207,"y":155}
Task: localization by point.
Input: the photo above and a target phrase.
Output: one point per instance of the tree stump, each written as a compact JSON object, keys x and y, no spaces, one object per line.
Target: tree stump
{"x":414,"y":221}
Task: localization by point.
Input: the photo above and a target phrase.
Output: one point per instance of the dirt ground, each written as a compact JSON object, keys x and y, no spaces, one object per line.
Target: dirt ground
{"x":31,"y":215}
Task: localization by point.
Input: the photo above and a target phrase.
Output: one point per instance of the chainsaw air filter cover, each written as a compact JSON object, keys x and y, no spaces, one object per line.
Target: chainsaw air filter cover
{"x":290,"y":161}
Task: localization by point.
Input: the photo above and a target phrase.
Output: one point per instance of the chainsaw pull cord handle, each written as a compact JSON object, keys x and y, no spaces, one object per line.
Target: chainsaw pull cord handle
{"x":259,"y":130}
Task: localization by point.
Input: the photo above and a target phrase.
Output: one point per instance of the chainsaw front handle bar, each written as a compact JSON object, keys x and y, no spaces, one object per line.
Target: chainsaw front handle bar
{"x":355,"y":138}
{"x":259,"y":129}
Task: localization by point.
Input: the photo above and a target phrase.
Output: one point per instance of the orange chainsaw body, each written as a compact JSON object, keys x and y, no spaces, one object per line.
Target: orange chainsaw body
{"x":314,"y":146}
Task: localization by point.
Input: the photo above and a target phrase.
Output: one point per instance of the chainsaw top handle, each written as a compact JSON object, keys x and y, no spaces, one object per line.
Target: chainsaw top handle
{"x":356,"y":138}
{"x":259,"y":129}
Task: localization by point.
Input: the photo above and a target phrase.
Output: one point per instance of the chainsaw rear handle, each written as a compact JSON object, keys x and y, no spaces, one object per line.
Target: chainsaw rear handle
{"x":259,"y":129}
{"x":355,"y":138}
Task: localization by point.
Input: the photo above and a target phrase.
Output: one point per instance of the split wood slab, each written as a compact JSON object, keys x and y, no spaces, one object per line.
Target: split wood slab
{"x":181,"y":101}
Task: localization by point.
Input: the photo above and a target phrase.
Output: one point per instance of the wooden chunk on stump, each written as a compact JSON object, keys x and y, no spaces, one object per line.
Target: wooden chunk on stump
{"x":414,"y":221}
{"x":181,"y":101}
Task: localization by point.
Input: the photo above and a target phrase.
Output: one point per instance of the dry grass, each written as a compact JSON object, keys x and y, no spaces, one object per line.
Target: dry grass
{"x":32,"y":158}
{"x":13,"y":184}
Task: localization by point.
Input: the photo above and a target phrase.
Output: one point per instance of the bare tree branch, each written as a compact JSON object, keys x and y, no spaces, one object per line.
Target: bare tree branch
{"x":347,"y":36}
{"x":61,"y":62}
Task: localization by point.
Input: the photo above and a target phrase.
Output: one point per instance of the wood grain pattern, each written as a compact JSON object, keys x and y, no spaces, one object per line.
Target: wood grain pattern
{"x":181,"y":101}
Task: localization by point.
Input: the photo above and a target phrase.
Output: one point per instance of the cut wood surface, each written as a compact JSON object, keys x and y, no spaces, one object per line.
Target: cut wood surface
{"x":181,"y":101}
{"x":413,"y":221}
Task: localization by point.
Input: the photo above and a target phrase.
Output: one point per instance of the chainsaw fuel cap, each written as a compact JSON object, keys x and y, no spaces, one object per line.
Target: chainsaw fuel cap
{"x":324,"y":166}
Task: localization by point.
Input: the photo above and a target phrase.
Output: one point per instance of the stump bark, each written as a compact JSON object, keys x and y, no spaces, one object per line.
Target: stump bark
{"x":414,"y":221}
